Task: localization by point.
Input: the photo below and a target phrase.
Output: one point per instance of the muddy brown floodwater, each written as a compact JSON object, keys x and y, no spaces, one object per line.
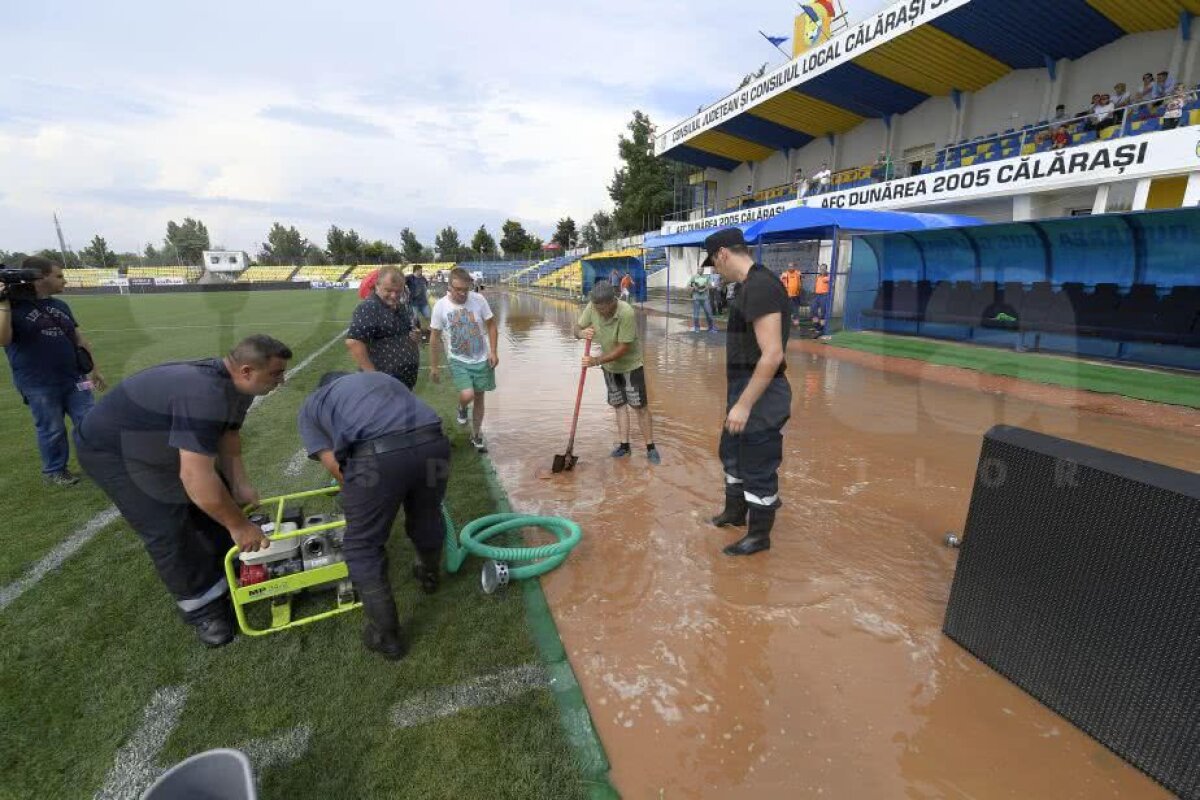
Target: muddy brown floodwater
{"x":819,"y":668}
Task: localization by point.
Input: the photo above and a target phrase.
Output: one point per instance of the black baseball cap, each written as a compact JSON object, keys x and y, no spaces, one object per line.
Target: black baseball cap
{"x":726,"y":237}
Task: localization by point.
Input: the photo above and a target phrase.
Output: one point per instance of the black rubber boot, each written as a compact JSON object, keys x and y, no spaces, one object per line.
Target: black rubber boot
{"x":758,"y":534}
{"x":215,"y":623}
{"x":427,"y":569}
{"x":734,"y":514}
{"x":382,"y":631}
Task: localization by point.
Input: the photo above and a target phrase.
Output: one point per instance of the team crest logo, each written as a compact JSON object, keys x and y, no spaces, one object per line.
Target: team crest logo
{"x":812,"y":25}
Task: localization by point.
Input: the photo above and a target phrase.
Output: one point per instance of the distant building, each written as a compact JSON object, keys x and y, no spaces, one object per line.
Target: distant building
{"x":226,"y":260}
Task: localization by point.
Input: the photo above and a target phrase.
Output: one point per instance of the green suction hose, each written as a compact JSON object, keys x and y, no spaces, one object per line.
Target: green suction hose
{"x":496,"y":573}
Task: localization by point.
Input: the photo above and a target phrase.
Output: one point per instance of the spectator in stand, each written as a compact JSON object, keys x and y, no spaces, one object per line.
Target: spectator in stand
{"x":699,"y":289}
{"x":799,"y":184}
{"x":821,"y":178}
{"x":882,"y":169}
{"x":1043,"y":139}
{"x":1061,"y":138}
{"x":1060,"y":115}
{"x":748,"y":197}
{"x":1091,"y":107}
{"x":792,"y":282}
{"x":1164,"y":85}
{"x":1172,"y":113}
{"x":1103,"y":114}
{"x":1120,"y":99}
{"x":1146,"y":93}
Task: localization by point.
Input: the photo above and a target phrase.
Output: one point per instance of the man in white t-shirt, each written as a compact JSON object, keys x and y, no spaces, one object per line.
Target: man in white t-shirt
{"x":472,"y":348}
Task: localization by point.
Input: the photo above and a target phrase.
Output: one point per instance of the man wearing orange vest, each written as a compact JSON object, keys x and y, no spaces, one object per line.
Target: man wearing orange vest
{"x":820,"y":305}
{"x":791,"y":281}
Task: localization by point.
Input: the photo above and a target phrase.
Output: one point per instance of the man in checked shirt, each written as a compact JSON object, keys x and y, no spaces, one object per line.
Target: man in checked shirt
{"x":383,"y":336}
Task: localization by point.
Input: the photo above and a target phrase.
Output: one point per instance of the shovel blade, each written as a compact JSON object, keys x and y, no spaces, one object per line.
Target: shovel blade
{"x":560,"y":463}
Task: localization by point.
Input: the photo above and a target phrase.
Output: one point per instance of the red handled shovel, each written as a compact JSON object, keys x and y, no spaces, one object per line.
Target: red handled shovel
{"x":566,"y":461}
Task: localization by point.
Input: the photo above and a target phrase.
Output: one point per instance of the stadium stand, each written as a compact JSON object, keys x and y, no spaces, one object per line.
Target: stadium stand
{"x":328,"y":274}
{"x":188,"y":274}
{"x":88,"y":277}
{"x":568,"y":277}
{"x":262,"y":274}
{"x":1137,"y":119}
{"x":655,"y":260}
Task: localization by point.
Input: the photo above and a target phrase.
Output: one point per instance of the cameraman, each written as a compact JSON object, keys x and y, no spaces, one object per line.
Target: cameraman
{"x":42,"y":340}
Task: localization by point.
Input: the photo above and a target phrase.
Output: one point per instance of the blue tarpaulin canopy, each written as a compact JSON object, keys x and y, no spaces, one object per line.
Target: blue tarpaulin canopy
{"x":812,"y":223}
{"x":805,"y":222}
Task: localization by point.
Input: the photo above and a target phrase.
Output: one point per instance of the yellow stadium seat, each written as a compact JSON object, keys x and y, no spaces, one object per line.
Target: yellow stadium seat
{"x":1194,"y":117}
{"x":968,"y":161}
{"x":1028,"y":149}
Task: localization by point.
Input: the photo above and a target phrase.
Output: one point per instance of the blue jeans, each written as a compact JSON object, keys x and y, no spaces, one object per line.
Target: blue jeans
{"x":700,"y":303}
{"x":50,"y":406}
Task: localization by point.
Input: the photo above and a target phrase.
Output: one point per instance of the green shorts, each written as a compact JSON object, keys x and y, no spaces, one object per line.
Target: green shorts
{"x":480,"y":377}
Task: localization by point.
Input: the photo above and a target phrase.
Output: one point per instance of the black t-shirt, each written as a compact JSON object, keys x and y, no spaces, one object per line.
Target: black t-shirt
{"x":760,"y":294}
{"x":149,"y":417}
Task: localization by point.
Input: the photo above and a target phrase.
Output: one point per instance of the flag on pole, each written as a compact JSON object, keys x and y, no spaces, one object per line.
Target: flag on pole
{"x":774,"y":40}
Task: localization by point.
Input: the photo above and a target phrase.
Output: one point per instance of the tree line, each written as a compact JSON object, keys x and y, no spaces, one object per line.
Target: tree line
{"x":644,"y":190}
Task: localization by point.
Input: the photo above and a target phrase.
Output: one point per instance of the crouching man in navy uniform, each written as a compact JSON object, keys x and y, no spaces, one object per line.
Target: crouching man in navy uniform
{"x":386,"y":448}
{"x":165,"y":446}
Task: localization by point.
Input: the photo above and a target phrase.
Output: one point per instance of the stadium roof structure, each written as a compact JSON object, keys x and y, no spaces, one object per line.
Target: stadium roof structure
{"x":891,"y":63}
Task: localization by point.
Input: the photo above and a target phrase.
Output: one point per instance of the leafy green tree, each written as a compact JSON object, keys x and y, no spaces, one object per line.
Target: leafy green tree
{"x":284,"y":246}
{"x":482,"y":243}
{"x":380,"y":252}
{"x":598,"y":230}
{"x":449,"y":247}
{"x":410,"y":247}
{"x":514,"y":239}
{"x":98,"y":254}
{"x":566,"y":234}
{"x":344,"y":247}
{"x":642,"y":188}
{"x":314,"y":256}
{"x":56,"y":256}
{"x":188,"y":240}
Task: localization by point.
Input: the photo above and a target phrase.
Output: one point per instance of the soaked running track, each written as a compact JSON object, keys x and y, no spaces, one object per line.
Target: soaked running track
{"x":818,"y":669}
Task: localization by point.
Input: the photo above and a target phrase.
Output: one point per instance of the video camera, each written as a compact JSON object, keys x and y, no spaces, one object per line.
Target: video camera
{"x":11,"y":278}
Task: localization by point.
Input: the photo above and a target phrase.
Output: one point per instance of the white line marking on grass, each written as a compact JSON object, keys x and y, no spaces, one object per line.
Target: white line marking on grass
{"x":56,"y":557}
{"x":275,"y":751}
{"x":489,"y":690}
{"x":134,"y":767}
{"x":296,"y":464}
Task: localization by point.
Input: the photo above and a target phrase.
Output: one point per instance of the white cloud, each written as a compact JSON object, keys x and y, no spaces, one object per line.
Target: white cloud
{"x":367,"y":115}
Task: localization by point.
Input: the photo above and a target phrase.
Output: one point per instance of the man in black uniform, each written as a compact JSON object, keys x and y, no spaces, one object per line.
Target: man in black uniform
{"x":386,"y":448}
{"x":759,"y":399}
{"x":383,"y":336}
{"x":165,"y":446}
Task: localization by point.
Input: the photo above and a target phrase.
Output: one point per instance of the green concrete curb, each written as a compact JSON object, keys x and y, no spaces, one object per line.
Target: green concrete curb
{"x":572,"y":708}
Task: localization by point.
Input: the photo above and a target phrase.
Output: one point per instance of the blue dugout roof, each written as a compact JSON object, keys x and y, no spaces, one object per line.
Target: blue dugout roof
{"x":811,"y":223}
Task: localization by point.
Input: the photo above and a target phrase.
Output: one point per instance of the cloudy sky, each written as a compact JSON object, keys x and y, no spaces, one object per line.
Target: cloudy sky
{"x":367,"y":114}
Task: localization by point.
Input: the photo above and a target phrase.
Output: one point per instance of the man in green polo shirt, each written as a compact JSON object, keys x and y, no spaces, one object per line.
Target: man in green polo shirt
{"x":612,"y":324}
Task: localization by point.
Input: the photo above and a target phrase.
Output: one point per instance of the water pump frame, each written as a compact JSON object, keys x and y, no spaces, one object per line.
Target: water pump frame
{"x":280,"y":591}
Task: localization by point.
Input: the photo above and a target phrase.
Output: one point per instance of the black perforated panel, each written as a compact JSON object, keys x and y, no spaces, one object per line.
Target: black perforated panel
{"x":1079,"y":580}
